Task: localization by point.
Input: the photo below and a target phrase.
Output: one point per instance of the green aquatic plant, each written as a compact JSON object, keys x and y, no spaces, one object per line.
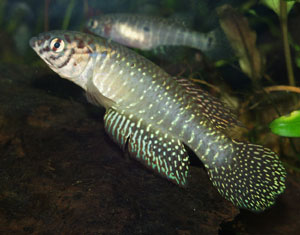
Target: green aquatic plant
{"x":2,"y":6}
{"x":68,"y":14}
{"x":282,"y":8}
{"x":288,"y":125}
{"x":275,"y":5}
{"x":171,"y":4}
{"x":67,"y":17}
{"x":243,"y":39}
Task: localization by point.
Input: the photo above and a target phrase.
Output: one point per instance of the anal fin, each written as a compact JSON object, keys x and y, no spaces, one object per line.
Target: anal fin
{"x":158,"y":151}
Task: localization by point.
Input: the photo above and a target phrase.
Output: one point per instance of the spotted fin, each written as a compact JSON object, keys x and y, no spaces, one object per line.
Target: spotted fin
{"x":158,"y":151}
{"x":252,"y":177}
{"x":219,"y":114}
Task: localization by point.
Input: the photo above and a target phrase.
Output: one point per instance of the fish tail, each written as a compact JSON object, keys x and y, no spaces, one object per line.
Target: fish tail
{"x":201,"y":41}
{"x":214,"y":45}
{"x":251,"y":177}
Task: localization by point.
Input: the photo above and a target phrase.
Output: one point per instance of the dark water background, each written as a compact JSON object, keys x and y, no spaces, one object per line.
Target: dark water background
{"x":60,"y":172}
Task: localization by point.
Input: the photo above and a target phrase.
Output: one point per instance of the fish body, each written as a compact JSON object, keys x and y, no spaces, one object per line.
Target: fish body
{"x":149,"y":32}
{"x":154,"y":115}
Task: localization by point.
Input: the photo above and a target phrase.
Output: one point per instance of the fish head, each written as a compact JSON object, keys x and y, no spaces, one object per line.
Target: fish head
{"x":68,"y":53}
{"x":101,"y":26}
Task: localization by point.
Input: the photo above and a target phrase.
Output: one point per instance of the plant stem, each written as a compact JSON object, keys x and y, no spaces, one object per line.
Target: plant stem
{"x":68,"y":14}
{"x":282,"y":88}
{"x":287,"y":52}
{"x":2,"y":6}
{"x":46,"y":15}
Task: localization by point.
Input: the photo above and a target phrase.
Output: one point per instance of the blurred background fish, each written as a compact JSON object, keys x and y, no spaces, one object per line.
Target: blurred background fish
{"x":148,"y":32}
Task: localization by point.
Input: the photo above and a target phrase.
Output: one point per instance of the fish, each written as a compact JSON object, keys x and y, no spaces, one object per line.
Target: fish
{"x":148,"y":32}
{"x":154,"y":115}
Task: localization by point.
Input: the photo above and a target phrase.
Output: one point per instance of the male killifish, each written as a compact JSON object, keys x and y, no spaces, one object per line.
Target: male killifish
{"x":154,"y":115}
{"x":149,"y":32}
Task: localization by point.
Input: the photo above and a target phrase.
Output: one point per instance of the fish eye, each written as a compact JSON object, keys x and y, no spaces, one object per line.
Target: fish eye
{"x":93,"y":23}
{"x":57,"y":45}
{"x":146,"y":29}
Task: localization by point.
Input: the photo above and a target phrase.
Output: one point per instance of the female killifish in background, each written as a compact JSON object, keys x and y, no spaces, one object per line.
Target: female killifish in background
{"x":154,"y":115}
{"x":149,"y":32}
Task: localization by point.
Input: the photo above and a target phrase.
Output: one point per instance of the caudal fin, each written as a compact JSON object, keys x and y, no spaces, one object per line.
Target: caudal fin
{"x":251,"y":178}
{"x":217,"y":46}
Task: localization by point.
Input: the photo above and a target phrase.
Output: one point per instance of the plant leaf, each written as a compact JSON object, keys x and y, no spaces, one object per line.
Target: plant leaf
{"x":288,"y":125}
{"x":275,"y":5}
{"x":242,"y":39}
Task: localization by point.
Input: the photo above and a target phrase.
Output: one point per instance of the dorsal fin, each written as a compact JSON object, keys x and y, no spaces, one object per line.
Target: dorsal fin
{"x":219,"y":114}
{"x":182,"y":20}
{"x":157,"y":150}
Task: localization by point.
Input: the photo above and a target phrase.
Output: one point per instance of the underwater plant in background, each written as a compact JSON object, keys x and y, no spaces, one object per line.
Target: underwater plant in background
{"x":243,"y":41}
{"x":282,"y":8}
{"x":252,"y":62}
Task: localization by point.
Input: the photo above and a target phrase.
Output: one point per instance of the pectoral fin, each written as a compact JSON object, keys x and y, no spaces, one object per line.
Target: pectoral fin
{"x":157,"y":150}
{"x":95,"y":97}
